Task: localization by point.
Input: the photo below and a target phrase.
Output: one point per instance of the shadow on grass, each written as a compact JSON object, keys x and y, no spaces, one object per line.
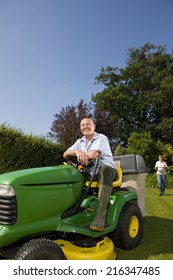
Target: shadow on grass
{"x":157,"y":242}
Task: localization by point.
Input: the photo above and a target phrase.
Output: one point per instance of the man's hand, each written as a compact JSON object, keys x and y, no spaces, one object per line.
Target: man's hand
{"x":82,"y":157}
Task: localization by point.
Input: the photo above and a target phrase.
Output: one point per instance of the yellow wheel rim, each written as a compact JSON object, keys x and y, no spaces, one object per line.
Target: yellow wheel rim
{"x":133,"y":227}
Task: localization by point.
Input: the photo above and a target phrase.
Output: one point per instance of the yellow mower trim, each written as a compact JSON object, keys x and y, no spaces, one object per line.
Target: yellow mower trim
{"x":104,"y":250}
{"x":116,"y":183}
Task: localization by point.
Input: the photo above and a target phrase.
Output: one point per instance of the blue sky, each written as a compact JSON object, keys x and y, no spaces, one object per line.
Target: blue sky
{"x":52,"y":50}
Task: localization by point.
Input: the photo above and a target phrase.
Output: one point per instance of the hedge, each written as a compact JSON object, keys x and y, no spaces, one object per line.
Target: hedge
{"x":151,"y":181}
{"x":20,"y":151}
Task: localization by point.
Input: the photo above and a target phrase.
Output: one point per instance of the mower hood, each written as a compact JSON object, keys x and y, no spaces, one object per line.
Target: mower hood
{"x":43,"y":175}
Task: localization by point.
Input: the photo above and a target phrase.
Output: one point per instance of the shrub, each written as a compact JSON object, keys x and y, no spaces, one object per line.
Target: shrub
{"x":19,"y":151}
{"x":151,"y":181}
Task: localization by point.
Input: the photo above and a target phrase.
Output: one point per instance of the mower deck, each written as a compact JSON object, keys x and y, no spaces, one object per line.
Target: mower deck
{"x":103,"y":250}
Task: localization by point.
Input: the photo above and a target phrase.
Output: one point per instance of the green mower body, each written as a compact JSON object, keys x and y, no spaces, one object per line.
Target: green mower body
{"x":40,"y":202}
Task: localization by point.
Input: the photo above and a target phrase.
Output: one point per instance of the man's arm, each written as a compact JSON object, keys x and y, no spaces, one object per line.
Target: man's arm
{"x":68,"y":153}
{"x":92,"y":154}
{"x":82,"y":157}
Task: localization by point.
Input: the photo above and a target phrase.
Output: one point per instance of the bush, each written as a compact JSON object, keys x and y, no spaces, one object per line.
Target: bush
{"x":19,"y":151}
{"x":151,"y":181}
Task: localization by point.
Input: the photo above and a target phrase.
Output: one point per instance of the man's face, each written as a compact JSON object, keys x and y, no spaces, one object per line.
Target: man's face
{"x":87,"y":127}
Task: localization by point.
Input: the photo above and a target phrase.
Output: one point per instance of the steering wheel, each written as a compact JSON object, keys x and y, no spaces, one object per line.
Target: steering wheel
{"x":72,"y":160}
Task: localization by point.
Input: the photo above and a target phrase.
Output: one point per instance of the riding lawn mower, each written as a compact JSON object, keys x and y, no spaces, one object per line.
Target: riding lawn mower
{"x":45,"y":214}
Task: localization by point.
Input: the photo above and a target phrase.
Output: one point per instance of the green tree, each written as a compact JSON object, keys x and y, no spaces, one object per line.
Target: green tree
{"x":167,"y":152}
{"x":139,"y":97}
{"x":104,"y":124}
{"x":142,"y":144}
{"x":119,"y":150}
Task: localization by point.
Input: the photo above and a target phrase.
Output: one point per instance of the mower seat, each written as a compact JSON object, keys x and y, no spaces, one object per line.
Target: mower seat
{"x":117,"y":183}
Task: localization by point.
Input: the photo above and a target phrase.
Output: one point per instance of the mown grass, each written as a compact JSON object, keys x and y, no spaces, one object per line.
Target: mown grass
{"x":157,"y":242}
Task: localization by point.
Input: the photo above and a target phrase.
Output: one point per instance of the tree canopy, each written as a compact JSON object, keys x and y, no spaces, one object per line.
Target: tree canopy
{"x":134,"y":109}
{"x":138,"y":98}
{"x":65,"y":128}
{"x":66,"y":125}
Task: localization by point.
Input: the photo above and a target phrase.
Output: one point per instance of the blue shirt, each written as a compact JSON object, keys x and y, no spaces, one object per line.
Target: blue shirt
{"x":99,"y":143}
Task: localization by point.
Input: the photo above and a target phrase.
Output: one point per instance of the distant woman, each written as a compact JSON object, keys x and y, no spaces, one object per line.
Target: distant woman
{"x":161,"y":167}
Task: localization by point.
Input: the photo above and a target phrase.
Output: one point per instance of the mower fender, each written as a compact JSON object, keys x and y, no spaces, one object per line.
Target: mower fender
{"x":116,"y":204}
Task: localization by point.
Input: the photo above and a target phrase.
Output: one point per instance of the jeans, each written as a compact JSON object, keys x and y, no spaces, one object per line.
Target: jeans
{"x":161,"y":179}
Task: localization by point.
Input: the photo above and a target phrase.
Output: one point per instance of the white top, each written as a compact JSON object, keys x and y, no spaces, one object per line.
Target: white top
{"x":161,"y":167}
{"x":101,"y":144}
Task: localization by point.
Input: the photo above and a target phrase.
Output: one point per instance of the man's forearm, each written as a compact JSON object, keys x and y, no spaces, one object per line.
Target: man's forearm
{"x":92,"y":154}
{"x":68,"y":153}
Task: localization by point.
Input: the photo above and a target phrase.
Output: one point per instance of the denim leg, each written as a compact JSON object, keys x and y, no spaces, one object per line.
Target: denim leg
{"x":159,"y":181}
{"x":163,"y":182}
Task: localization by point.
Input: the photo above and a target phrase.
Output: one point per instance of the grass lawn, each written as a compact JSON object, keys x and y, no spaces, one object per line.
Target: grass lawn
{"x":157,"y":242}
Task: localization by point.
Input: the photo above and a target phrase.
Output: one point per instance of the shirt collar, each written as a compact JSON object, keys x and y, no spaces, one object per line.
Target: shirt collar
{"x":96,"y":135}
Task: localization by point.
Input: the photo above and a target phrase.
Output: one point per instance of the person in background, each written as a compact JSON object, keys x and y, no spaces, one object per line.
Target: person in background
{"x":161,"y":167}
{"x":89,"y":147}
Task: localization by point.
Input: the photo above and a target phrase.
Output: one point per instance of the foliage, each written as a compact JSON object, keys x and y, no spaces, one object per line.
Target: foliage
{"x":144,"y":145}
{"x":120,"y":150}
{"x":66,"y":125}
{"x":168,"y":156}
{"x":136,"y":98}
{"x":19,"y":151}
{"x":151,"y":181}
{"x":139,"y":97}
{"x":104,"y":124}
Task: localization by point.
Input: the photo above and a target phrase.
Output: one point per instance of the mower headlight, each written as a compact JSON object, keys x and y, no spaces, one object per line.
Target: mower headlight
{"x":6,"y":191}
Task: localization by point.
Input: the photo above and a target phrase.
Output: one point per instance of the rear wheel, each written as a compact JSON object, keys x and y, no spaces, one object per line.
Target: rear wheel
{"x":40,"y":249}
{"x":129,"y":231}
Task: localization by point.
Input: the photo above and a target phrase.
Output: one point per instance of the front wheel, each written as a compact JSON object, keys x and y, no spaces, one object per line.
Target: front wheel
{"x":129,"y":231}
{"x":40,"y":249}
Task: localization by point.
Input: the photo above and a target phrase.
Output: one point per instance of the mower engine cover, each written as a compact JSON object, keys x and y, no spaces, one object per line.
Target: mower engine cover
{"x":32,"y":200}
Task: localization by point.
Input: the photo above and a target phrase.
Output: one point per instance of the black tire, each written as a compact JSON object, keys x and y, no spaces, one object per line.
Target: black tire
{"x":40,"y":249}
{"x":129,"y":231}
